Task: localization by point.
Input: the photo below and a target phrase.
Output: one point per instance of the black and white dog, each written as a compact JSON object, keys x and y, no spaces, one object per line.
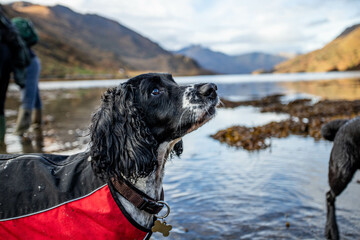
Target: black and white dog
{"x":344,"y":162}
{"x":114,"y":188}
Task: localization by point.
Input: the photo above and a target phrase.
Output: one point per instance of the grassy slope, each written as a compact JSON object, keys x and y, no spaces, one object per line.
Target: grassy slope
{"x":72,"y":44}
{"x":341,"y":54}
{"x":58,"y":58}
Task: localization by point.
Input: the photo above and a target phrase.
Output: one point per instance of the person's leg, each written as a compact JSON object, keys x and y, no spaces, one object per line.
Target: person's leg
{"x":36,"y":119}
{"x":28,"y":97}
{"x":37,"y":110}
{"x":5,"y":68}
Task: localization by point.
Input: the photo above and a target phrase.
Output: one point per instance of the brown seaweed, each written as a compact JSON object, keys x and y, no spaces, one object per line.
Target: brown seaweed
{"x":305,"y":118}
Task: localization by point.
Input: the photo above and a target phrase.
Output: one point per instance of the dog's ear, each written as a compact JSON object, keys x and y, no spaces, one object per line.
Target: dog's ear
{"x":178,"y":148}
{"x":329,"y":130}
{"x":121,"y":143}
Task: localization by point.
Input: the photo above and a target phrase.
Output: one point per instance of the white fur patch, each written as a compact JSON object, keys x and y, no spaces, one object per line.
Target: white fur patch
{"x":187,"y":97}
{"x":195,"y":108}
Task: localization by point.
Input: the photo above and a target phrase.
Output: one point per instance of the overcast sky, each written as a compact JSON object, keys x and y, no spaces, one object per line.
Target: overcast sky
{"x":230,"y":26}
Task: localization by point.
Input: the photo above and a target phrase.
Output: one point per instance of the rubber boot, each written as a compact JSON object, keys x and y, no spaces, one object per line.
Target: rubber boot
{"x":36,"y":120}
{"x":23,"y":121}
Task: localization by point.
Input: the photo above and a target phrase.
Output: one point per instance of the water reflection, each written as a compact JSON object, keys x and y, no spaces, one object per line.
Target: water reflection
{"x":348,"y":89}
{"x":67,"y":115}
{"x":30,"y":146}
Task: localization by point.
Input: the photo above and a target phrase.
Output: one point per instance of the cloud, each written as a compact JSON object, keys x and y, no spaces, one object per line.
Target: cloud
{"x":317,"y":22}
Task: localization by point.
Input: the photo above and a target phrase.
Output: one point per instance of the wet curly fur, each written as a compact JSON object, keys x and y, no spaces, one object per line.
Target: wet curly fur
{"x":119,"y":132}
{"x":344,"y":162}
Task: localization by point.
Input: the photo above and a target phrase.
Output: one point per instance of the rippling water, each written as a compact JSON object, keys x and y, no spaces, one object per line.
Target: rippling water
{"x":218,"y":192}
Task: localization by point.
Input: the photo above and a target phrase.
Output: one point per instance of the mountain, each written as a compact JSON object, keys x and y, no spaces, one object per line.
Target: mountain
{"x":341,"y":54}
{"x":72,"y":43}
{"x":223,"y":63}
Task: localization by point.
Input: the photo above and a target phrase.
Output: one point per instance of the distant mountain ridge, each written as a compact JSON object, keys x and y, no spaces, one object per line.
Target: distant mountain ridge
{"x":74,"y":43}
{"x":223,"y":63}
{"x":341,"y":54}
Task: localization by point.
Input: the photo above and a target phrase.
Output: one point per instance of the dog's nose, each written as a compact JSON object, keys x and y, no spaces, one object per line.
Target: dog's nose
{"x":208,"y":90}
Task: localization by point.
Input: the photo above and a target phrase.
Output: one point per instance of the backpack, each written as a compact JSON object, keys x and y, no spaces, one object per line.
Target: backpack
{"x":10,"y":36}
{"x":26,"y":30}
{"x":21,"y":57}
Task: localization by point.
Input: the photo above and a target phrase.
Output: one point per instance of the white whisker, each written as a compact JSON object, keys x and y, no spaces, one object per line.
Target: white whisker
{"x":221,"y":103}
{"x":179,"y":123}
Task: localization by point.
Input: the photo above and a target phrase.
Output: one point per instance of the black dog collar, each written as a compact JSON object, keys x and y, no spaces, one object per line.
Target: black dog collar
{"x":137,"y":197}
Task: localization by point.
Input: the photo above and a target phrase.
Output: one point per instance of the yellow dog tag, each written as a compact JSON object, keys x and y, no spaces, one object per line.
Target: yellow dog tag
{"x":161,"y":227}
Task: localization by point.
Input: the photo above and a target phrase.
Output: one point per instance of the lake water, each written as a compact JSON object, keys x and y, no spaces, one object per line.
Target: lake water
{"x":220,"y":192}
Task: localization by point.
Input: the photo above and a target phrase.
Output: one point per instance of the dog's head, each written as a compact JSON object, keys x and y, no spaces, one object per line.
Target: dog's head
{"x":139,"y":115}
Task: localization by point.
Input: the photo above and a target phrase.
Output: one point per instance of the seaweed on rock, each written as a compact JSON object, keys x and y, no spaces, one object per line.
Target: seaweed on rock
{"x":305,"y":118}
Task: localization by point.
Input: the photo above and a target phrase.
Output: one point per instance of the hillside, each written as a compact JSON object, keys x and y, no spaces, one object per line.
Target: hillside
{"x":73,"y":44}
{"x":223,"y":63}
{"x":342,"y":54}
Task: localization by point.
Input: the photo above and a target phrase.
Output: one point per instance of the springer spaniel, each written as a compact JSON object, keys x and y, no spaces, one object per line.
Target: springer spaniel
{"x":113,"y":190}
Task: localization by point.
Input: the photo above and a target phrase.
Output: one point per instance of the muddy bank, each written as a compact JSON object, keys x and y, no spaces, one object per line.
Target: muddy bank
{"x":305,"y":118}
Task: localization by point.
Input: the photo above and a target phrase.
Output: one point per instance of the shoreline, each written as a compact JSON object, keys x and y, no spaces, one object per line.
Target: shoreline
{"x":217,"y":79}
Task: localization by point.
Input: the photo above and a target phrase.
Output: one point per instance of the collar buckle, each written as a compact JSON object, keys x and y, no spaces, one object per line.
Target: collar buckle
{"x":150,"y":206}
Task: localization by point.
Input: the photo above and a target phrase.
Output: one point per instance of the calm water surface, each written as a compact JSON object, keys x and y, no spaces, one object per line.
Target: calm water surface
{"x":219,"y":192}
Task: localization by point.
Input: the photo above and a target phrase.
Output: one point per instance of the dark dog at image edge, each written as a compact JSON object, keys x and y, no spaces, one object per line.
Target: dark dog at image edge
{"x":344,"y":162}
{"x":113,"y":189}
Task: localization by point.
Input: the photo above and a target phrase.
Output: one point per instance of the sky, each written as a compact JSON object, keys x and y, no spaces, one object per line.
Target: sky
{"x":229,"y":26}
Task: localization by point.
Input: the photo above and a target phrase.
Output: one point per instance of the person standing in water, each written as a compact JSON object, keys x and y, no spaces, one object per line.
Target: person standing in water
{"x":14,"y":55}
{"x":30,"y":111}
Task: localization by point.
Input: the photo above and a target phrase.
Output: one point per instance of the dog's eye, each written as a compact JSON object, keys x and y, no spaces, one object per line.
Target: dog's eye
{"x":155,"y":92}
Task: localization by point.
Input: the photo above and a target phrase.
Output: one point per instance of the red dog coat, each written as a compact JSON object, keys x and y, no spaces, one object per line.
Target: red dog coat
{"x":47,"y":196}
